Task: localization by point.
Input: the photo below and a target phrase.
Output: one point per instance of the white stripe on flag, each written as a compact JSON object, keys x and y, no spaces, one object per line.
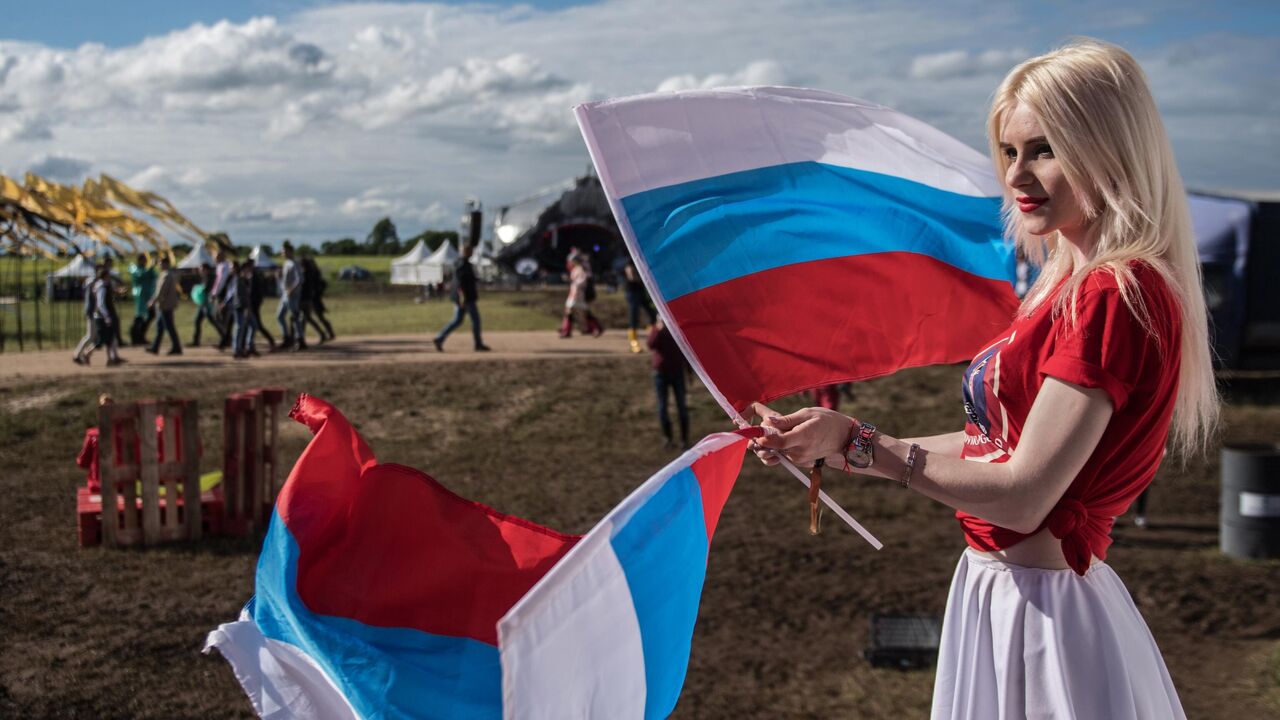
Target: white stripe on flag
{"x":573,"y":650}
{"x":661,"y":139}
{"x":281,"y":681}
{"x":571,"y":647}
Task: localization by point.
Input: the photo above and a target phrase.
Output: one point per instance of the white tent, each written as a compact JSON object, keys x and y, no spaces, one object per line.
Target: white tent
{"x":78,"y":267}
{"x":417,"y":267}
{"x":197,"y":257}
{"x":444,"y":256}
{"x":261,"y":258}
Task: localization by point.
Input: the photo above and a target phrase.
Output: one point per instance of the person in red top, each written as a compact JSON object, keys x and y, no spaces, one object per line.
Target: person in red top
{"x":1069,"y":410}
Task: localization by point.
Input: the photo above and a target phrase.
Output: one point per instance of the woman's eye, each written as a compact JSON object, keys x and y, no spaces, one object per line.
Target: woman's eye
{"x":1011,"y":153}
{"x":1044,"y":150}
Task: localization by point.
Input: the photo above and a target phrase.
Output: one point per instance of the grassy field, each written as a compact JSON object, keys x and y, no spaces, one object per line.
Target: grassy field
{"x":389,"y":311}
{"x":355,"y":308}
{"x":102,"y":633}
{"x":379,"y":265}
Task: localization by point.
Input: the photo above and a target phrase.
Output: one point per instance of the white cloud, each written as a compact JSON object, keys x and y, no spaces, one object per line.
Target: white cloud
{"x":157,"y":178}
{"x":476,"y":80}
{"x":376,"y":38}
{"x":398,"y":203}
{"x":320,"y":122}
{"x":962,"y":63}
{"x":25,"y":126}
{"x":257,"y":211}
{"x":760,"y":72}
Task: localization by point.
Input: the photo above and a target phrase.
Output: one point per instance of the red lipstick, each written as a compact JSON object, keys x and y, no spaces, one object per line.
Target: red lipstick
{"x":1027,"y":204}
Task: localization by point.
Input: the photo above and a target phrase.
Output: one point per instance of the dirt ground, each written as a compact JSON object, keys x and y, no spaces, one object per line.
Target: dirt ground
{"x":116,"y":633}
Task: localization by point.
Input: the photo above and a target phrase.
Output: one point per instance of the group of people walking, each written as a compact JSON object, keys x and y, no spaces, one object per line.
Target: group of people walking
{"x":231,"y":294}
{"x":228,"y":296}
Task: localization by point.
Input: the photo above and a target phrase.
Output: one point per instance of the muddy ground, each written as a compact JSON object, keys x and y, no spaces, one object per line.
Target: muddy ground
{"x":116,"y":633}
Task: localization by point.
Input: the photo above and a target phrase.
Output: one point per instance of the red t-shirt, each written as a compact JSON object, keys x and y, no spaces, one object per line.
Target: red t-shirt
{"x":1107,"y":348}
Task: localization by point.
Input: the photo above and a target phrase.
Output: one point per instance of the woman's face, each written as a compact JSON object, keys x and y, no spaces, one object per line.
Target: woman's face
{"x":1039,"y":187}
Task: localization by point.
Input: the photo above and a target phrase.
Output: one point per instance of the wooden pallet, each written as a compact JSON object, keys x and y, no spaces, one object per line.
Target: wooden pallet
{"x":89,"y":513}
{"x":135,"y":454}
{"x":250,"y":473}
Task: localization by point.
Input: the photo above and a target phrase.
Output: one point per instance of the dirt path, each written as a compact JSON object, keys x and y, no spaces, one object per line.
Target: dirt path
{"x":362,"y":350}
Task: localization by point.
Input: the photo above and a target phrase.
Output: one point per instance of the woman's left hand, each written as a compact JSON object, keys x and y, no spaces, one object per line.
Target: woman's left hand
{"x":804,"y":435}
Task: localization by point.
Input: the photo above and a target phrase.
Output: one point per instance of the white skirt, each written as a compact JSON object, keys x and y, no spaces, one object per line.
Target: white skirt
{"x":1021,"y":642}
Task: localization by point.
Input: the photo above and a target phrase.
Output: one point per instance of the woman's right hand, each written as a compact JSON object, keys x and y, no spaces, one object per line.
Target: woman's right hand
{"x":768,"y":456}
{"x":803,"y":437}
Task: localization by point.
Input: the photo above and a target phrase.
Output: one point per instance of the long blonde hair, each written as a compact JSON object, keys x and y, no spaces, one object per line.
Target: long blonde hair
{"x":1099,"y":117}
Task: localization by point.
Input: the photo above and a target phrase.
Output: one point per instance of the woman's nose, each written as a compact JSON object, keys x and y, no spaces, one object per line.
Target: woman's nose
{"x":1017,"y":176}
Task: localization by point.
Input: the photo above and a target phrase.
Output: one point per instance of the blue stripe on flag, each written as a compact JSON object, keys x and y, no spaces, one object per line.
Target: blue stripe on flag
{"x":705,"y":232}
{"x":382,"y":671}
{"x":663,"y":552}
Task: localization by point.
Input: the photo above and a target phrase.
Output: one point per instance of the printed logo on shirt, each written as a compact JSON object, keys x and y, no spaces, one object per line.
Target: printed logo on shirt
{"x":986,"y":435}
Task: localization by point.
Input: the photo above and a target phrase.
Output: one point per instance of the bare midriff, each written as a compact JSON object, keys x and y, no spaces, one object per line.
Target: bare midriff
{"x":1041,"y":550}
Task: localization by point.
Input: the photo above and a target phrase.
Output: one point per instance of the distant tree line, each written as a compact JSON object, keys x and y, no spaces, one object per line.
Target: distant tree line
{"x":381,"y":240}
{"x":384,"y":240}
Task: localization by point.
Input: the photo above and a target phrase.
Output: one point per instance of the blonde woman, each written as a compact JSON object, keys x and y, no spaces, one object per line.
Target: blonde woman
{"x":1069,"y":409}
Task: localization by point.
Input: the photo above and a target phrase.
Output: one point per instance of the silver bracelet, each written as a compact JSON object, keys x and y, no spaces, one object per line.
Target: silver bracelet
{"x":911,"y":466}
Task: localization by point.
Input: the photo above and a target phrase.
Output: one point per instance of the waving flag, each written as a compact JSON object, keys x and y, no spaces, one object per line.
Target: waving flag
{"x":797,"y":238}
{"x":379,"y":593}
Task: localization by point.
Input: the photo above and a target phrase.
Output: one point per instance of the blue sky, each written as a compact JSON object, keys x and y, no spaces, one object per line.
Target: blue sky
{"x":70,"y":23}
{"x":292,"y":118}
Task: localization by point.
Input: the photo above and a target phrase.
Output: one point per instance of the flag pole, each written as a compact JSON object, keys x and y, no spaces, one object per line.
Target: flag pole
{"x":835,"y":508}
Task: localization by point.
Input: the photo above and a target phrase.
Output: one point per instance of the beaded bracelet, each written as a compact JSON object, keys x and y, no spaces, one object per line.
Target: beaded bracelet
{"x":911,"y":466}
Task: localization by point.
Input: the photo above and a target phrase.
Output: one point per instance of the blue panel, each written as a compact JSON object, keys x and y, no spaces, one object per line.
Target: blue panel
{"x":705,"y":232}
{"x":663,"y":553}
{"x":383,"y":672}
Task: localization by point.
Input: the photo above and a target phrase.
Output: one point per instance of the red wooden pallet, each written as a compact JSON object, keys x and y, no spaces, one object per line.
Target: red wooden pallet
{"x":133,"y":452}
{"x":250,"y":476}
{"x":89,"y":513}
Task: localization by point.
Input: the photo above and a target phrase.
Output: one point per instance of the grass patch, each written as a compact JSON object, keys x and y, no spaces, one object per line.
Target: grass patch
{"x":381,"y":310}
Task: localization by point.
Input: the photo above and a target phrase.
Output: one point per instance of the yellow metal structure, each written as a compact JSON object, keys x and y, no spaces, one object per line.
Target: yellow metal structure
{"x":38,"y":216}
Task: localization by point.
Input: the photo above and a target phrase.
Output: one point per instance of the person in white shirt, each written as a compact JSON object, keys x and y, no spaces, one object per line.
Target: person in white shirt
{"x":223,"y":318}
{"x":289,"y":312}
{"x":105,"y":319}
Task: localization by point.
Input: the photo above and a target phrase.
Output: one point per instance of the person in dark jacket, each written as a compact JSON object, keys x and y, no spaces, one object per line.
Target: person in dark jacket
{"x":237,"y":296}
{"x":106,"y":318}
{"x":312,"y":306}
{"x":464,"y":301}
{"x":669,"y":367}
{"x":163,"y":302}
{"x":257,"y":295}
{"x":202,"y":295}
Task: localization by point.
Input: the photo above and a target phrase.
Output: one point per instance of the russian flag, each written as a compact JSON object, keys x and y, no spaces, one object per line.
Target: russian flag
{"x":797,"y":238}
{"x":381,"y":594}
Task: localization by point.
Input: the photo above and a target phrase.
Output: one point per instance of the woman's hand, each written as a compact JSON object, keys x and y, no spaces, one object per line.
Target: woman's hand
{"x":803,"y":436}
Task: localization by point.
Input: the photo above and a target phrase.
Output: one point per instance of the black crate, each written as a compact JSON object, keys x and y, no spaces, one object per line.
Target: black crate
{"x":903,"y":641}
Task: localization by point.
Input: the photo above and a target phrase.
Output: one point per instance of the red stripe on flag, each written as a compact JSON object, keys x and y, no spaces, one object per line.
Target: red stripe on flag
{"x":388,"y":546}
{"x":781,"y":331}
{"x":716,"y":474}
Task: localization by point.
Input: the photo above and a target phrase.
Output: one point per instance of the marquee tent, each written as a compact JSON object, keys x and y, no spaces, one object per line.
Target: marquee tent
{"x":197,"y":257}
{"x":422,"y":267}
{"x":79,"y":267}
{"x":261,"y":258}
